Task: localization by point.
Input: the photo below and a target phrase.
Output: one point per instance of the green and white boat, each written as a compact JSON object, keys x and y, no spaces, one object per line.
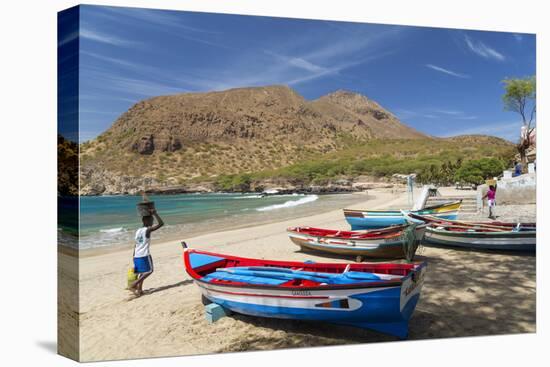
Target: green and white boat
{"x":478,"y":235}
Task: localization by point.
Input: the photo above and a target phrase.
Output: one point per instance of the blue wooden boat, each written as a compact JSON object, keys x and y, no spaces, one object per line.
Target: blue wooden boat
{"x":380,"y":296}
{"x":369,"y":219}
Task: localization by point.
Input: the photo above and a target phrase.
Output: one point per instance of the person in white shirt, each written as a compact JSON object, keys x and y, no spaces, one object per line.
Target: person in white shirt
{"x":143,"y":262}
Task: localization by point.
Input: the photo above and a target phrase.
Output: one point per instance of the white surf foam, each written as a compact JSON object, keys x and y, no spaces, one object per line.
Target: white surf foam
{"x":248,"y":197}
{"x":289,"y":203}
{"x":113,"y":230}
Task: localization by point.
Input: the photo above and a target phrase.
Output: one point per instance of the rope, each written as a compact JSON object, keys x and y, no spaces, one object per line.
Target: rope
{"x":410,"y":242}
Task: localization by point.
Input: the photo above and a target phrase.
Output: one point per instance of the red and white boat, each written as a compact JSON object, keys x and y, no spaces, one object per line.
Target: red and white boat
{"x":385,"y":243}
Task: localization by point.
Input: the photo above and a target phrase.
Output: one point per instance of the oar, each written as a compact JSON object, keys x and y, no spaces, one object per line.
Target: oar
{"x":470,"y":224}
{"x":274,"y":275}
{"x":277,"y":270}
{"x":481,"y":224}
{"x":474,"y":228}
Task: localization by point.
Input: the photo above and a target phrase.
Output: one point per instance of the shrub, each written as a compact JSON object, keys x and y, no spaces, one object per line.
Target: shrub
{"x":477,"y":171}
{"x":240,"y":182}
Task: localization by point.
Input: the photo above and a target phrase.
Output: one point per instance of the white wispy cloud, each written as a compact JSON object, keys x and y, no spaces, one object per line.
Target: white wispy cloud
{"x":434,"y":113}
{"x":155,"y":74}
{"x":99,"y":96}
{"x":161,"y":18}
{"x":483,"y":50}
{"x":110,"y":39}
{"x":68,"y":38}
{"x":406,"y":114}
{"x":449,"y":112}
{"x":455,"y":114}
{"x":322,"y":73}
{"x":447,"y":71}
{"x":313,"y":71}
{"x":298,"y":62}
{"x":346,"y":44}
{"x":106,"y":81}
{"x":164,"y":22}
{"x":302,"y":60}
{"x":113,"y":60}
{"x":518,"y":37}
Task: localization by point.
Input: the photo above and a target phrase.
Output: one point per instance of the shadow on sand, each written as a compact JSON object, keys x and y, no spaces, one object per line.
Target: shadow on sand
{"x":466,"y":293}
{"x":166,"y":287}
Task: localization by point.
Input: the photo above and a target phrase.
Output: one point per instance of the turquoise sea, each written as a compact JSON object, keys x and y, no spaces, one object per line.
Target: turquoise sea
{"x":107,"y":221}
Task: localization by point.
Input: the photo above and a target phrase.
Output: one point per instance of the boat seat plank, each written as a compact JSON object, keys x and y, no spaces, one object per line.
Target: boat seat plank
{"x":220,"y":275}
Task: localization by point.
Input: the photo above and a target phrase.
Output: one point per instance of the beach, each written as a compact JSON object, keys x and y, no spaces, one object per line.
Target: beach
{"x":466,"y":293}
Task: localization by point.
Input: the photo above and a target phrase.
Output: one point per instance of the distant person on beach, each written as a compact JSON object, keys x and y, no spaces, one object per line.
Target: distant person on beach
{"x":143,"y":262}
{"x":491,"y":200}
{"x":517,"y":169}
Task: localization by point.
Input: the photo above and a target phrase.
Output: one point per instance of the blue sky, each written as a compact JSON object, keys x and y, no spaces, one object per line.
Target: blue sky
{"x":443,"y":82}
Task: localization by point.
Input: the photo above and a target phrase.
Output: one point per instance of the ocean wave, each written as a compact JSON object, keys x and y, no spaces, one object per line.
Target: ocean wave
{"x":247,"y":197}
{"x":113,"y":230}
{"x":268,"y":196}
{"x":289,"y":203}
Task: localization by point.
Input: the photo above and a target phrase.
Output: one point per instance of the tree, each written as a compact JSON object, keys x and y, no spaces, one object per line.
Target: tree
{"x":520,"y":96}
{"x":478,"y":170}
{"x":438,"y":174}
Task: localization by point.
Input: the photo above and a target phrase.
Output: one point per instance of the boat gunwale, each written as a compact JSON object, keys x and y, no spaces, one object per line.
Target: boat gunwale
{"x":415,"y":268}
{"x":399,"y":231}
{"x":399,"y":213}
{"x":364,"y":247}
{"x":442,"y":227}
{"x":389,"y":232}
{"x":368,"y":252}
{"x":504,"y":234}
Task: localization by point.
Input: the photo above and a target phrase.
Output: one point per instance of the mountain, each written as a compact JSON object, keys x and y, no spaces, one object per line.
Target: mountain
{"x":169,"y":140}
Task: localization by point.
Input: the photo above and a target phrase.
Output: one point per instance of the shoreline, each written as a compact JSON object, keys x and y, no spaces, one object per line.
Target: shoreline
{"x":176,"y":191}
{"x":365,"y":199}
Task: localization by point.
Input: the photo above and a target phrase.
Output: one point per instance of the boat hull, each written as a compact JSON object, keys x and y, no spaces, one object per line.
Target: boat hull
{"x":385,"y":309}
{"x":389,"y":248}
{"x":507,"y":241}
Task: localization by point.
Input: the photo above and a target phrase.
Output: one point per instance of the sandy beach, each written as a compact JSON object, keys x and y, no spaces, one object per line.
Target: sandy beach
{"x":466,"y":293}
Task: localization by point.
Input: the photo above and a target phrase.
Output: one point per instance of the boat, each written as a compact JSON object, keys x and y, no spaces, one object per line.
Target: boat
{"x":369,"y":219}
{"x":383,"y":243}
{"x":492,"y":235}
{"x":380,"y":297}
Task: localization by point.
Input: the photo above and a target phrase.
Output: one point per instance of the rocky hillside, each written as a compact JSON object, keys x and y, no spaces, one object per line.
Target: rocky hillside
{"x":169,"y":140}
{"x":67,"y":167}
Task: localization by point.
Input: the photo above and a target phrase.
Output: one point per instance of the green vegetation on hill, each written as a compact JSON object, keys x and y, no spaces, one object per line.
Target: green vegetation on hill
{"x":433,"y":160}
